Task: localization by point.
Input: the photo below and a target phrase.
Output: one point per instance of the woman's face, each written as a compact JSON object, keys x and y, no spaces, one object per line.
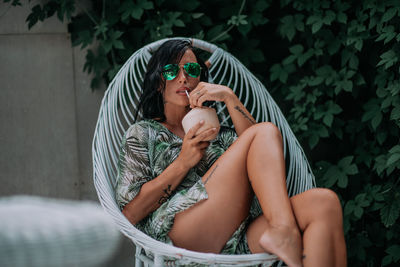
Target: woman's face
{"x":174,"y":92}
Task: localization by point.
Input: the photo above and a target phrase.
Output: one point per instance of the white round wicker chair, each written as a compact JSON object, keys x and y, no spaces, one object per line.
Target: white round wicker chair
{"x":117,"y":113}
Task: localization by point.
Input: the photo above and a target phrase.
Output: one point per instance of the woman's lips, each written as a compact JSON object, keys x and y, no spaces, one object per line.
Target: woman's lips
{"x":182,"y":91}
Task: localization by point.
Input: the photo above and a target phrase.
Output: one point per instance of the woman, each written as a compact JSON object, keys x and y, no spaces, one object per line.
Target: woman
{"x":198,"y":195}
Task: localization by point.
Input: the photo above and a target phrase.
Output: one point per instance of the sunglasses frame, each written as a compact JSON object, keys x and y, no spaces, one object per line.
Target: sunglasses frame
{"x":175,"y":68}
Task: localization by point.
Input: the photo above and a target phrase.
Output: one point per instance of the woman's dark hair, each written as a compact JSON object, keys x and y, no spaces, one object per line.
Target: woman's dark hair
{"x":170,"y":52}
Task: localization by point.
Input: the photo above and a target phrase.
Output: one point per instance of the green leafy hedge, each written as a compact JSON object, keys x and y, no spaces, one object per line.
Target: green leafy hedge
{"x":333,"y":67}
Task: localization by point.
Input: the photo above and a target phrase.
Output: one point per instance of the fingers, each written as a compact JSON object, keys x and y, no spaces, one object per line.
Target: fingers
{"x":204,"y":134}
{"x":194,"y":97}
{"x":196,"y":94}
{"x":203,"y":144}
{"x":201,"y":100}
{"x":192,"y":131}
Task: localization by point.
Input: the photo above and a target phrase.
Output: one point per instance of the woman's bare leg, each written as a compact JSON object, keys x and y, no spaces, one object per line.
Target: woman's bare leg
{"x":319,"y":216}
{"x":209,"y":224}
{"x":268,"y":180}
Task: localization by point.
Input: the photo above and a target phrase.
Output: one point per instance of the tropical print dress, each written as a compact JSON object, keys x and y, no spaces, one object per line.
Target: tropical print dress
{"x":147,"y":149}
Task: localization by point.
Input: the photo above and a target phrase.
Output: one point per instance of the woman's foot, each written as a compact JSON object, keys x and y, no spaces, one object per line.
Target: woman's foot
{"x":284,"y":242}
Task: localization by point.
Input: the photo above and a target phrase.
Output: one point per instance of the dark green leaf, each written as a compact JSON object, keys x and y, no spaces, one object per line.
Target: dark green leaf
{"x":353,"y":62}
{"x":388,"y":59}
{"x":342,"y":180}
{"x":328,"y":119}
{"x":323,"y":132}
{"x":381,"y":137}
{"x":334,"y":108}
{"x":349,"y":208}
{"x":393,"y":159}
{"x":389,"y":14}
{"x":394,"y":251}
{"x":214,"y":31}
{"x":283,"y":76}
{"x":395,"y":149}
{"x":261,"y":5}
{"x":389,"y":213}
{"x":333,"y":47}
{"x":332,"y":176}
{"x":179,"y":23}
{"x":346,"y":161}
{"x":358,"y":44}
{"x":314,"y":81}
{"x":14,"y":2}
{"x":304,"y":57}
{"x":342,"y":17}
{"x":313,"y":141}
{"x":376,"y":120}
{"x":316,"y":26}
{"x":395,"y":114}
{"x":289,"y":60}
{"x":361,"y":200}
{"x":296,"y":49}
{"x":298,"y":22}
{"x":275,"y":72}
{"x":358,"y":211}
{"x":287,"y":27}
{"x":137,"y":13}
{"x":197,"y":15}
{"x":352,"y":169}
{"x":387,"y":260}
{"x":347,"y":85}
{"x":329,"y":17}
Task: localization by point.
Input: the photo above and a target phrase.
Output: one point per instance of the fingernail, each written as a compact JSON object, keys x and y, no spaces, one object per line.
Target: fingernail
{"x":202,"y":121}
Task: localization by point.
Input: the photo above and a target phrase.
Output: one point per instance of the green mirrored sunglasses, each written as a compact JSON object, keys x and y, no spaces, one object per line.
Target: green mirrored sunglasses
{"x":192,"y":69}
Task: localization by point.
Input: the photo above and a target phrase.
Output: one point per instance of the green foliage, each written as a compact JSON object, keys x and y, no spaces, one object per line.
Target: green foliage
{"x":333,"y":66}
{"x":340,"y":78}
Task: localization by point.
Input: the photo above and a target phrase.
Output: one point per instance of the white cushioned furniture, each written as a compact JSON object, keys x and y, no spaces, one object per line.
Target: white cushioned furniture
{"x":47,"y":232}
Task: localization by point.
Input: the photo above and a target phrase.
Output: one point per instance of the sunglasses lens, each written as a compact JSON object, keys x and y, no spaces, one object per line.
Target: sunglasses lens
{"x":170,"y":71}
{"x":192,"y":69}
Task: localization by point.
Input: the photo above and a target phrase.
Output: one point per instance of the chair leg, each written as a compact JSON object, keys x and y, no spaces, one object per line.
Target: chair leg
{"x":158,"y":261}
{"x":138,"y":261}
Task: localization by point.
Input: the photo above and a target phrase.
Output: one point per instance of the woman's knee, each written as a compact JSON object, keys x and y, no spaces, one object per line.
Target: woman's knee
{"x":266,"y":128}
{"x":326,"y":204}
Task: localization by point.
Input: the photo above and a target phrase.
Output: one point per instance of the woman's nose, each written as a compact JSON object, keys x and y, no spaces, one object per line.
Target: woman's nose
{"x":182,"y":75}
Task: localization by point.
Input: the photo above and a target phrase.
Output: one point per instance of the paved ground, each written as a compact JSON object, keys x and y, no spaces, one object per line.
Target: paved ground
{"x":124,"y":256}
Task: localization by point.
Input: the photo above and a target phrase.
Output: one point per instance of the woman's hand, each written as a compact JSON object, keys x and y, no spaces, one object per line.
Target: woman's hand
{"x":209,"y":92}
{"x":193,"y":147}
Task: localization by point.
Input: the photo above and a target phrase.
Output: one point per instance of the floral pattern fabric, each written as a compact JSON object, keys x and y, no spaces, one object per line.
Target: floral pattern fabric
{"x":147,"y":149}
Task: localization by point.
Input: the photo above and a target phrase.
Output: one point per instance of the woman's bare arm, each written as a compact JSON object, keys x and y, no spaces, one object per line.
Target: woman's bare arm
{"x":240,"y":116}
{"x":155,"y":192}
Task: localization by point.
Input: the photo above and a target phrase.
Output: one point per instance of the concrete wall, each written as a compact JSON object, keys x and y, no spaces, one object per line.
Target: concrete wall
{"x":47,"y":109}
{"x":47,"y":112}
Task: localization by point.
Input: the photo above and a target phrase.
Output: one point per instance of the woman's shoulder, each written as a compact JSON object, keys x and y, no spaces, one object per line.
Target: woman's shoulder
{"x":142,"y":127}
{"x":139,"y":128}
